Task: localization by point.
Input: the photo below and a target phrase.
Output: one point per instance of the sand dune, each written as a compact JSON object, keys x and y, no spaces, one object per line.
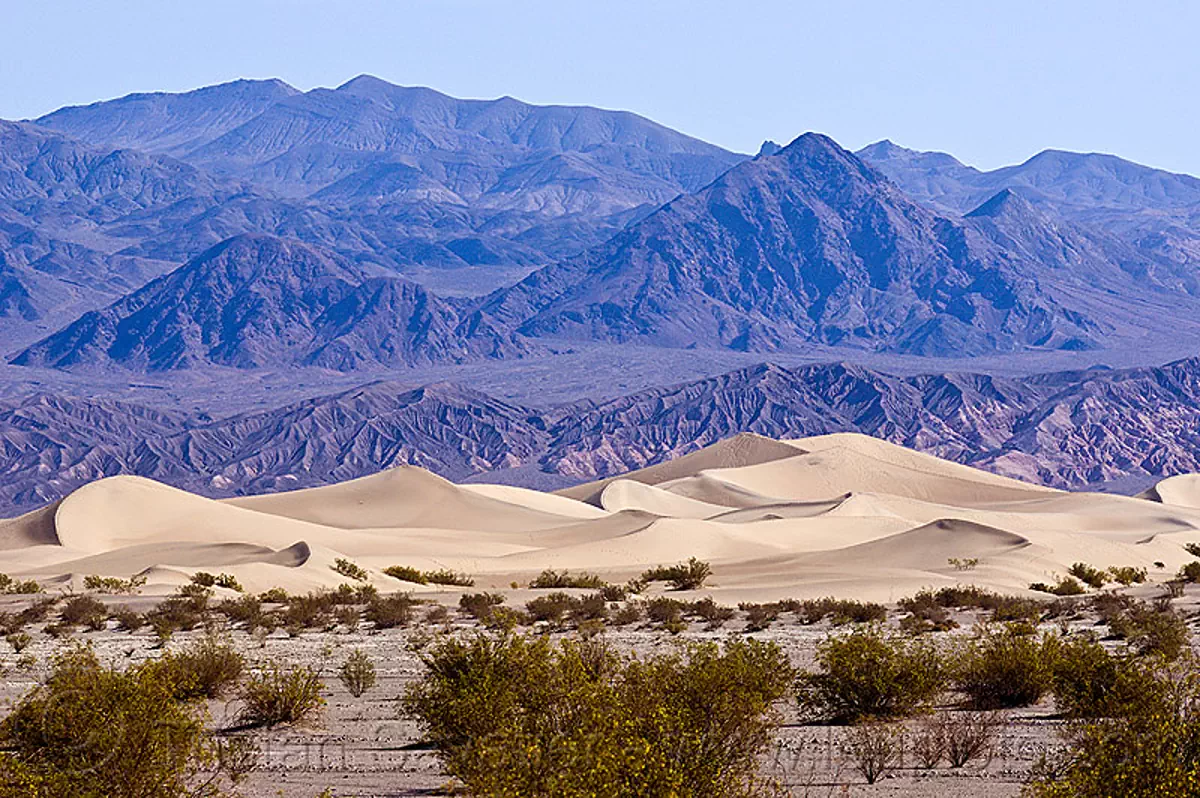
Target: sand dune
{"x":833,"y":515}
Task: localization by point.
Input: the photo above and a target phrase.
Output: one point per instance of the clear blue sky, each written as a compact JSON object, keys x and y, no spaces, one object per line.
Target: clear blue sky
{"x":992,"y":83}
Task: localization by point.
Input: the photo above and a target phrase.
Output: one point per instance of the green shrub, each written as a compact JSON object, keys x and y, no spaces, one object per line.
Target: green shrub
{"x":1092,"y":577}
{"x":243,"y":609}
{"x":128,"y":619}
{"x":479,"y":605}
{"x":388,"y":612}
{"x":208,"y":668}
{"x":865,"y":674}
{"x":406,"y":574}
{"x":665,"y":610}
{"x":357,"y":673}
{"x":514,"y":715}
{"x":11,"y":586}
{"x":615,"y":592}
{"x":205,"y":579}
{"x":1190,"y":572}
{"x":710,"y":612}
{"x":626,"y":614}
{"x":559,"y":580}
{"x":113,"y":585}
{"x":759,"y":616}
{"x":84,"y":610}
{"x":451,"y":578}
{"x":1150,"y":630}
{"x":552,"y":608}
{"x":926,"y":614}
{"x":1151,"y":753}
{"x":1091,"y":682}
{"x":350,"y":570}
{"x":310,"y":611}
{"x":1000,"y":669}
{"x":90,"y":732}
{"x":1127,"y":574}
{"x":1067,"y":586}
{"x":690,"y":575}
{"x":19,"y":641}
{"x":276,"y":695}
{"x":1192,"y":549}
{"x":275,"y":595}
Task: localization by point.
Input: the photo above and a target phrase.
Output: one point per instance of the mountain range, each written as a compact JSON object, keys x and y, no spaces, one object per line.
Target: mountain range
{"x":390,"y":232}
{"x":1066,"y":429}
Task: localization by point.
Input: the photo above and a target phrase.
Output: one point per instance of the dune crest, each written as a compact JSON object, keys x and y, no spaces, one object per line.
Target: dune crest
{"x":838,"y":515}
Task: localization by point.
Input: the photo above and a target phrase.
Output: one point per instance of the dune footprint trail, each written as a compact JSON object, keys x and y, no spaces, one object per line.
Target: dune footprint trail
{"x":843,"y":515}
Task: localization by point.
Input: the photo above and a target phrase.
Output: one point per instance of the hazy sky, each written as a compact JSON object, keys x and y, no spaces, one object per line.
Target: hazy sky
{"x":992,"y":83}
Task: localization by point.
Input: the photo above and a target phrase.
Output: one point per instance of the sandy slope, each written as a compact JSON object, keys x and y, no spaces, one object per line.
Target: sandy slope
{"x":840,"y":514}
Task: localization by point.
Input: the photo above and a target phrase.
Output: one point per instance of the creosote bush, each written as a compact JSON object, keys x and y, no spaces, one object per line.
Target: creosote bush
{"x":90,"y":732}
{"x":1066,"y":586}
{"x":1127,"y":574}
{"x":277,"y":695}
{"x":868,"y":674}
{"x":350,"y":570}
{"x":1001,"y":669}
{"x":357,"y":673}
{"x":690,"y":575}
{"x":514,"y":715}
{"x":559,"y":580}
{"x":1092,"y":577}
{"x":207,"y":668}
{"x":113,"y":585}
{"x":227,"y":581}
{"x":390,"y":611}
{"x":875,"y":748}
{"x":10,"y":586}
{"x":84,"y":610}
{"x":1092,"y":682}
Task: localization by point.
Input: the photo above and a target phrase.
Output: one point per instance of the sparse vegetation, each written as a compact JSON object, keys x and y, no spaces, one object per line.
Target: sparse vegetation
{"x":1000,"y":669}
{"x":350,"y":570}
{"x":91,"y":731}
{"x":112,"y":585}
{"x":278,"y":695}
{"x":560,"y":580}
{"x":1127,"y":575}
{"x":10,"y":586}
{"x":1066,"y":586}
{"x":692,"y":722}
{"x":1190,"y":573}
{"x":867,"y":674}
{"x":357,"y":673}
{"x":690,"y":575}
{"x":875,"y":748}
{"x":84,"y":610}
{"x":439,"y":577}
{"x":208,"y":668}
{"x":388,"y":612}
{"x":1092,"y":577}
{"x":963,"y":563}
{"x":226,"y":581}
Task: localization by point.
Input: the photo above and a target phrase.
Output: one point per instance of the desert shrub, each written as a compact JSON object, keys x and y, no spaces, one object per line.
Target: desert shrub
{"x":1151,"y":630}
{"x":690,"y":575}
{"x":1066,"y":586}
{"x":1127,"y":574}
{"x":1000,"y":669}
{"x":1091,"y":682}
{"x":90,"y":731}
{"x":1192,"y":549}
{"x":388,"y":612}
{"x":1190,"y":573}
{"x":591,"y":607}
{"x":277,"y":695}
{"x":551,"y":608}
{"x":310,"y":611}
{"x":446,"y":577}
{"x":926,"y":613}
{"x":19,"y":641}
{"x":479,"y":605}
{"x":205,"y":579}
{"x":275,"y":595}
{"x":36,"y":612}
{"x":927,"y":741}
{"x":866,"y":674}
{"x":438,"y":613}
{"x":515,"y":715}
{"x":113,"y":585}
{"x":506,"y":619}
{"x":963,"y":563}
{"x":84,"y":610}
{"x":875,"y":748}
{"x":350,"y":569}
{"x":357,"y":673}
{"x":970,"y":736}
{"x":850,"y":611}
{"x":1092,"y":577}
{"x":406,"y":573}
{"x":243,"y":609}
{"x":614,"y":592}
{"x":1150,"y":753}
{"x":207,"y":668}
{"x":626,"y":614}
{"x":559,"y":580}
{"x":713,"y":614}
{"x":128,"y":619}
{"x":665,"y":610}
{"x":759,"y":616}
{"x":11,"y":586}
